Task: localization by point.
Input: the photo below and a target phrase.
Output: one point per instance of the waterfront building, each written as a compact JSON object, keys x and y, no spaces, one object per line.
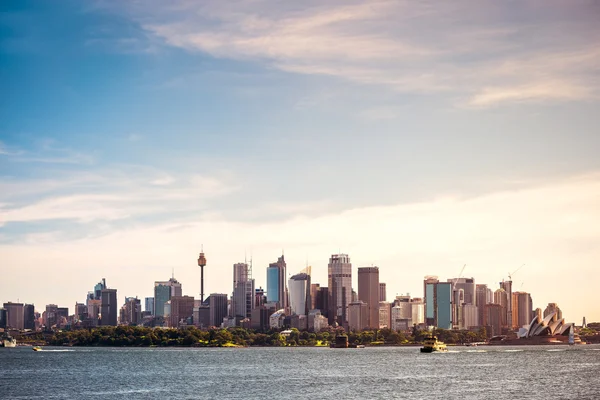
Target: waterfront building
{"x":299,"y":289}
{"x":108,"y":308}
{"x":15,"y":317}
{"x":382,"y":292}
{"x":438,"y":303}
{"x":29,"y":316}
{"x":163,"y":291}
{"x":149,"y":305}
{"x":368,"y":292}
{"x":358,"y":315}
{"x":340,"y":288}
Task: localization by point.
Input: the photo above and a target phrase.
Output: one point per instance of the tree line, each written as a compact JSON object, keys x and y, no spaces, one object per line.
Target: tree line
{"x":218,"y":337}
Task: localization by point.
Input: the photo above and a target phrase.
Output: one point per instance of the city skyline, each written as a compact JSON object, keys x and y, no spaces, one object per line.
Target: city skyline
{"x":132,"y":135}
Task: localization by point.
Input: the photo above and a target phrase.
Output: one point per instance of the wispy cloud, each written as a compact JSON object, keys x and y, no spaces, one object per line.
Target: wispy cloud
{"x":489,"y":54}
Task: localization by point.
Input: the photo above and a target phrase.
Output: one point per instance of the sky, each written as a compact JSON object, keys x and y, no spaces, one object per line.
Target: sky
{"x":416,"y":137}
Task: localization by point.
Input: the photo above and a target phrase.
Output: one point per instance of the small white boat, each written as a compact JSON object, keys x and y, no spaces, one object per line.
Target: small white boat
{"x":8,"y":341}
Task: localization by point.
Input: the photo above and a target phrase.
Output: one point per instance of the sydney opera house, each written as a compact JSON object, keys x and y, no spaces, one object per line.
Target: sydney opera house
{"x":547,"y":330}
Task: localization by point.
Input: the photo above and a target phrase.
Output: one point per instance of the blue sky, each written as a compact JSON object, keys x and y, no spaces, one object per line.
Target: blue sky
{"x":416,"y":137}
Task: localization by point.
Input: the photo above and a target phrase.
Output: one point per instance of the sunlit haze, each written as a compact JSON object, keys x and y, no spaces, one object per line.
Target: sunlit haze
{"x":416,"y":137}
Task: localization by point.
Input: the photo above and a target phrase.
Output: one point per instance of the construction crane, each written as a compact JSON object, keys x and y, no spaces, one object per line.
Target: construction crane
{"x":510,"y":275}
{"x":459,"y":276}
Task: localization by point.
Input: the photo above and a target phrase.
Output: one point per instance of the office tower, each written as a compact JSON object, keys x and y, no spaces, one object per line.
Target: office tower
{"x":15,"y":315}
{"x":550,"y":308}
{"x":385,"y":315}
{"x":322,"y":301}
{"x":382,"y":292}
{"x":368,"y":292}
{"x":463,"y":292}
{"x":243,"y":298}
{"x":494,"y":316}
{"x":131,"y":311}
{"x":201,"y":264}
{"x":469,"y":288}
{"x":50,"y":316}
{"x":163,"y":291}
{"x":401,"y":313}
{"x":217,"y":303}
{"x":98,"y":289}
{"x":314,"y":289}
{"x":501,"y":299}
{"x":149,"y":305}
{"x":438,"y":303}
{"x":507,"y":286}
{"x":108,"y":309}
{"x":522,"y":309}
{"x":3,"y":318}
{"x":182,"y":309}
{"x":28,"y":316}
{"x":340,"y":288}
{"x":358,"y":313}
{"x":481,"y":299}
{"x":417,"y":311}
{"x":470,"y":317}
{"x":299,"y":289}
{"x":276,"y":284}
{"x":259,"y":297}
{"x":81,"y":311}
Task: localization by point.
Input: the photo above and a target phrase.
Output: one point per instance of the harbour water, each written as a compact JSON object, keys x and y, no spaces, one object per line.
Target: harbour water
{"x":485,"y":372}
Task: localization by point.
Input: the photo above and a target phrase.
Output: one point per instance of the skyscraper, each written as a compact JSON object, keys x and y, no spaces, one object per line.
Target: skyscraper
{"x":28,"y":316}
{"x":182,"y":308}
{"x":299,"y":288}
{"x":522,"y":309}
{"x":243,"y":298}
{"x":358,"y":315}
{"x":481,"y":299}
{"x":163,"y":291}
{"x":438,"y":303}
{"x":368,"y":292}
{"x":131,"y":311}
{"x":108,"y":309}
{"x":507,"y":286}
{"x":276,"y":284}
{"x":149,"y":305}
{"x":14,"y":315}
{"x":340,"y":288}
{"x":382,"y":292}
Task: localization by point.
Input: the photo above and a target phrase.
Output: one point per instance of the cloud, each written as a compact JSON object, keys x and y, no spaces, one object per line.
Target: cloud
{"x":551,"y":228}
{"x":483,"y":54}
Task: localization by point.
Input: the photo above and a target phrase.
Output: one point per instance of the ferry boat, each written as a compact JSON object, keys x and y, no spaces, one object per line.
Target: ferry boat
{"x":8,"y":341}
{"x":431,"y":344}
{"x":37,"y":348}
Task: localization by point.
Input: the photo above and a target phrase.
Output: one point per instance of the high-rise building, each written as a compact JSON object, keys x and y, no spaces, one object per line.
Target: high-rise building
{"x":417,"y":311}
{"x":469,"y":288}
{"x":15,"y":315}
{"x":385,"y":315}
{"x":81,"y":311}
{"x":243,"y":298}
{"x":149,"y":305}
{"x":501,"y":299}
{"x":470,"y":317}
{"x":108,"y":309}
{"x":131,"y":311}
{"x":276,"y":284}
{"x":507,"y":286}
{"x":522,"y":309}
{"x":299,"y":289}
{"x":50,"y":316}
{"x":322,"y":301}
{"x":217,"y":303}
{"x":314,"y":289}
{"x":438,"y":303}
{"x":182,"y":309}
{"x":382,"y":292}
{"x":368,"y":292}
{"x":28,"y":316}
{"x":550,"y":308}
{"x":340,"y":288}
{"x":481,"y":299}
{"x":494,"y":315}
{"x":3,"y":318}
{"x":163,"y":291}
{"x":357,"y":315}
